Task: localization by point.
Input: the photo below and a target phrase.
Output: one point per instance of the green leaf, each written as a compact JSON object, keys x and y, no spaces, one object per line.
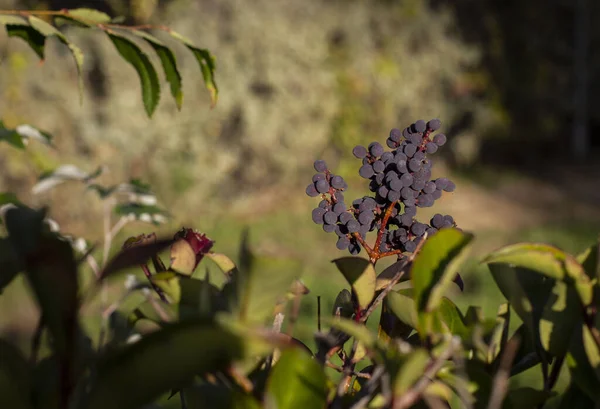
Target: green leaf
{"x":10,"y":265}
{"x":254,"y":294}
{"x":225,"y":264}
{"x":148,"y":78}
{"x":526,"y":291}
{"x":547,"y":260}
{"x":48,"y":30}
{"x":297,"y":381}
{"x":436,"y":265}
{"x":15,"y":379}
{"x":403,"y":307}
{"x":500,"y":335}
{"x":361,"y":275}
{"x":590,"y":260}
{"x":412,"y":368}
{"x":51,"y":270}
{"x":89,"y":16}
{"x":139,"y":373}
{"x":526,"y":398}
{"x":575,"y":398}
{"x":31,"y":36}
{"x":561,"y":315}
{"x":583,"y":360}
{"x":353,"y":329}
{"x":169,"y":64}
{"x":207,"y":65}
{"x":343,"y":302}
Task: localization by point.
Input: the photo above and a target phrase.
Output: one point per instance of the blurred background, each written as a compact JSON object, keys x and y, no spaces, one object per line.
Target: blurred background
{"x":515,"y":83}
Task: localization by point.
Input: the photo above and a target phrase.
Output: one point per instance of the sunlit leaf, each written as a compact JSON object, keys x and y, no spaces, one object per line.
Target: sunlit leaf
{"x":62,"y":174}
{"x":207,"y":65}
{"x":559,"y":319}
{"x":297,"y":381}
{"x":590,"y":260}
{"x":361,"y":275}
{"x":183,"y":258}
{"x":146,"y":72}
{"x":169,"y":64}
{"x":547,"y":260}
{"x":436,"y":266}
{"x":225,"y":264}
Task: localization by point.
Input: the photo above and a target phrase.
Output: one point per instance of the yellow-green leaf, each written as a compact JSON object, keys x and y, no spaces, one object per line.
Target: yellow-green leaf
{"x":207,"y":65}
{"x":297,"y":381}
{"x":436,"y":265}
{"x":360,"y":274}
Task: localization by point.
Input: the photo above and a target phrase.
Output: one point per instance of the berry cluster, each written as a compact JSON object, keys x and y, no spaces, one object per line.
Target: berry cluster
{"x":400,"y":179}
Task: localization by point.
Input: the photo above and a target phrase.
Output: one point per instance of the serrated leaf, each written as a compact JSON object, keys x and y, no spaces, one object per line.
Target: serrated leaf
{"x":169,"y":64}
{"x":31,"y":36}
{"x":207,"y":65}
{"x":297,"y":381}
{"x":547,"y":260}
{"x":15,"y":379}
{"x":144,"y":68}
{"x":436,"y":266}
{"x":139,"y":373}
{"x":360,"y":274}
{"x":48,"y":31}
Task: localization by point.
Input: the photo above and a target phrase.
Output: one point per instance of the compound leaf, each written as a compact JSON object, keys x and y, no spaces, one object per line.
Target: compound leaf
{"x":144,"y":68}
{"x":169,"y":64}
{"x":207,"y":65}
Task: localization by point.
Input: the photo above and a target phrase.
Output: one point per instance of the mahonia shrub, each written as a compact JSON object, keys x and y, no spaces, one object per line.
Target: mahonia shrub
{"x":226,"y":342}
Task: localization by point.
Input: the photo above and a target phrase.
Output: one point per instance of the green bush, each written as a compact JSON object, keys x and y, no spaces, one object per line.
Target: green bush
{"x":227,"y":341}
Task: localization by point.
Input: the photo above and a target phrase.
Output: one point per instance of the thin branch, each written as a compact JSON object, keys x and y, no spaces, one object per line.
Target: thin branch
{"x":380,"y":233}
{"x":500,"y":382}
{"x":414,"y":394}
